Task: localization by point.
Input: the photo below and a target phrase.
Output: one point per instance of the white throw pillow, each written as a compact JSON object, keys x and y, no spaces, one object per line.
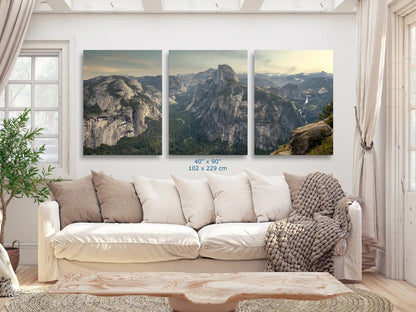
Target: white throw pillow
{"x":196,"y":200}
{"x":232,"y":198}
{"x":160,"y":200}
{"x":271,"y":196}
{"x":8,"y":279}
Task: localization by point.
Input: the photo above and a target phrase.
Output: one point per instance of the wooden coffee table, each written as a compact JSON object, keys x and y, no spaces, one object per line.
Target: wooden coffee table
{"x":204,"y":292}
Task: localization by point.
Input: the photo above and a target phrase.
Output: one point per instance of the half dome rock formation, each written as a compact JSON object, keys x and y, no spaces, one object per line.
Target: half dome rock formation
{"x":225,"y":74}
{"x":208,"y":113}
{"x":220,"y":104}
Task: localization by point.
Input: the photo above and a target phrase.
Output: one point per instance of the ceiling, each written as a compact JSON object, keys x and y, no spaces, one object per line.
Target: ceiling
{"x":195,"y":6}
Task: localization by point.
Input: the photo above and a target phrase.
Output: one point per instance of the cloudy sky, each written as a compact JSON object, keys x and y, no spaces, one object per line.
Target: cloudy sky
{"x":131,"y":63}
{"x":293,"y":61}
{"x":195,"y":61}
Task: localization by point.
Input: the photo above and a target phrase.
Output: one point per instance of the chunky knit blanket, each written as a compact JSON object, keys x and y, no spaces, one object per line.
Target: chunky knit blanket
{"x":305,"y":241}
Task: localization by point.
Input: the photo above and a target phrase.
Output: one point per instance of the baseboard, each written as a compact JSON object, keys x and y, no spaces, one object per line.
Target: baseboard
{"x":381,"y":261}
{"x":28,"y":254}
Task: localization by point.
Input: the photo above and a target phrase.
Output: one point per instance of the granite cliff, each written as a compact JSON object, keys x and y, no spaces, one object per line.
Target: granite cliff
{"x":275,"y":119}
{"x":116,"y":107}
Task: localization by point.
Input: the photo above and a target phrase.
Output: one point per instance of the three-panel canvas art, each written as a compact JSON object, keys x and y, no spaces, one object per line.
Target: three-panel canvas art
{"x":208,"y":102}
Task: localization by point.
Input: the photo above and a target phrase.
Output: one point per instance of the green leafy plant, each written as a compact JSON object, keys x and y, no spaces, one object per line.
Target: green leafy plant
{"x":20,"y":173}
{"x":328,"y":114}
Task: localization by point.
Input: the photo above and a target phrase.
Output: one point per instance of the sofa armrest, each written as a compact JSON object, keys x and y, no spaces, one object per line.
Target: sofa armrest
{"x":350,"y":269}
{"x":48,"y":225}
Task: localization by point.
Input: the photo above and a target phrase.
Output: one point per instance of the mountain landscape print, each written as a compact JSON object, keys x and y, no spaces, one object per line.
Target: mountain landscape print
{"x":208,"y":102}
{"x":293,"y":102}
{"x":122,"y":104}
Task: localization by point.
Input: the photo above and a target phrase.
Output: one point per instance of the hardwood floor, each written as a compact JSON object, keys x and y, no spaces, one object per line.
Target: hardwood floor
{"x":400,"y":293}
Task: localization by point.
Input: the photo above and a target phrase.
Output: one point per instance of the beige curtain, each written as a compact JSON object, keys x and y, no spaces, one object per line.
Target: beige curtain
{"x":372,"y":31}
{"x":14,"y":20}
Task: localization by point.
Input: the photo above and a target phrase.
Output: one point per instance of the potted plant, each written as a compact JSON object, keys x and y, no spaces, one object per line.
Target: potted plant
{"x":20,"y":173}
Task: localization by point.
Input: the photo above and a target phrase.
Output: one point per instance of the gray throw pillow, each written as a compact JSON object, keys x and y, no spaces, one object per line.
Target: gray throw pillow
{"x":77,"y":201}
{"x":295,"y":182}
{"x":118,"y":199}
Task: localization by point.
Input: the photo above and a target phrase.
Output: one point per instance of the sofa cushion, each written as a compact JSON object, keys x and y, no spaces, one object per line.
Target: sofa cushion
{"x":126,"y":242}
{"x":160,"y":200}
{"x":197,"y":202}
{"x":271,"y":196}
{"x":118,"y":199}
{"x":232,"y":198}
{"x":233,"y":241}
{"x":77,"y":201}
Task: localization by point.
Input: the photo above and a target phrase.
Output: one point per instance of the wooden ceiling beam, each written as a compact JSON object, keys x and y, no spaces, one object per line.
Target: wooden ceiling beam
{"x":152,"y":6}
{"x":60,"y":6}
{"x":344,"y":5}
{"x":250,"y":5}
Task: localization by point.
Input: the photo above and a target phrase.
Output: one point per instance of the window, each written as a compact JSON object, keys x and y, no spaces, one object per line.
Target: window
{"x":35,"y":84}
{"x":40,"y":81}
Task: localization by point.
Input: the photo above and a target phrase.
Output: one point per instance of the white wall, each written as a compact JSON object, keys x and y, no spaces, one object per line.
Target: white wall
{"x":202,"y":31}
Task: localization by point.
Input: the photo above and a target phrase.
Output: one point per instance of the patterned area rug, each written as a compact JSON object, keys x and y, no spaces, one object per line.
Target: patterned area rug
{"x":36,"y":301}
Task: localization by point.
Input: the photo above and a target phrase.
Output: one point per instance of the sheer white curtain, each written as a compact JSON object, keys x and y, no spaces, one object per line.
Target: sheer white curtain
{"x":14,"y":20}
{"x":372,"y":31}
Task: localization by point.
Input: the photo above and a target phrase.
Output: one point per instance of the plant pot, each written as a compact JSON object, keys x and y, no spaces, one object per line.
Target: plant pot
{"x":14,"y":254}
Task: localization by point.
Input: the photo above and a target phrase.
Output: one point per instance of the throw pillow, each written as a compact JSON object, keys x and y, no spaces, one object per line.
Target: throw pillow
{"x":77,"y":201}
{"x":295,"y":182}
{"x":196,"y":200}
{"x":271,"y":196}
{"x":118,"y":200}
{"x":160,"y":200}
{"x":232,"y":198}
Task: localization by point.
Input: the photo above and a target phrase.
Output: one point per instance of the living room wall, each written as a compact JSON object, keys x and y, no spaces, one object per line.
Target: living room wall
{"x":199,"y":31}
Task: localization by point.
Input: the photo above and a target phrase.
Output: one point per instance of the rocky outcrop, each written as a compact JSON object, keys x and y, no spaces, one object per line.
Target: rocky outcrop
{"x":275,"y":119}
{"x":322,"y":90}
{"x":117,"y":107}
{"x":176,"y":86}
{"x":305,"y":138}
{"x":176,"y":89}
{"x":135,"y":85}
{"x":108,"y":128}
{"x":121,"y":89}
{"x":290,"y":91}
{"x":220,"y":104}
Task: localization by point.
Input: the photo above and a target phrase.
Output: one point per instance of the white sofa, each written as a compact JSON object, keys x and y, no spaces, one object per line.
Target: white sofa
{"x":133,"y":247}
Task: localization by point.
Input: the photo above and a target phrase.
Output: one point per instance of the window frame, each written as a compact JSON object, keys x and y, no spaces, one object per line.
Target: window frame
{"x":65,"y":168}
{"x":392,"y":260}
{"x":410,"y":21}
